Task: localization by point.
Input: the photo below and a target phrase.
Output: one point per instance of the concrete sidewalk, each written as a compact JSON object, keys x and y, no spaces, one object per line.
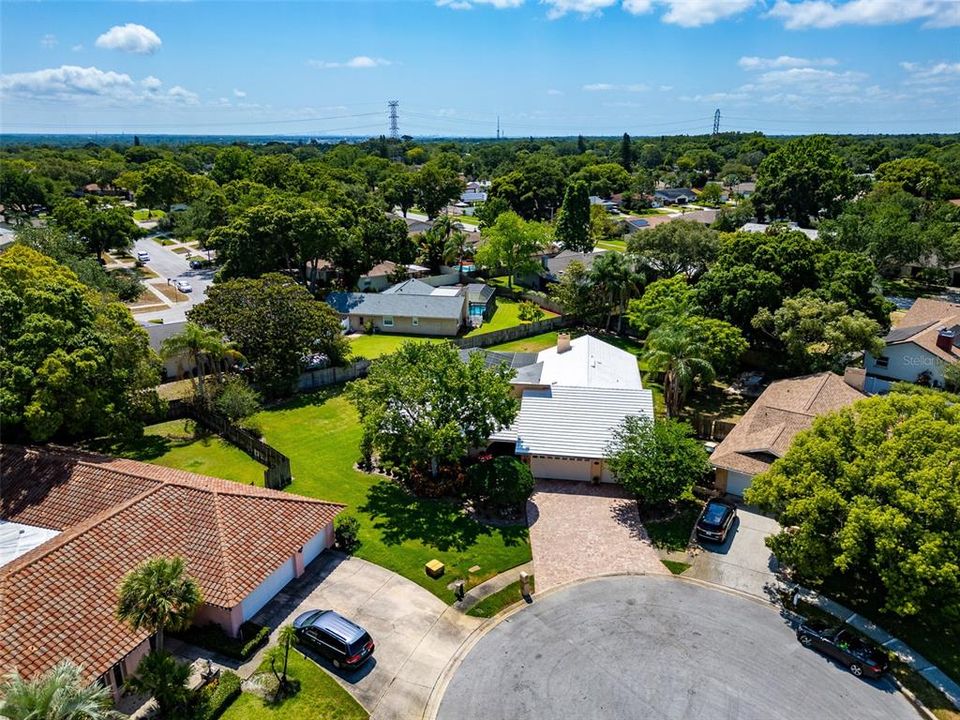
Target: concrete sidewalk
{"x":934,"y":675}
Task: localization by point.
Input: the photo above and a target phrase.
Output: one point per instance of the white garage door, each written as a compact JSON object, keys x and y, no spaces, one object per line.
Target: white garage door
{"x":314,"y":547}
{"x":556,"y":468}
{"x":737,"y":482}
{"x":268,"y":588}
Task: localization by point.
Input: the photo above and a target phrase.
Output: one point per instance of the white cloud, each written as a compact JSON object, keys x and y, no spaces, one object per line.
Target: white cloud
{"x":48,"y":41}
{"x":609,"y":87}
{"x":665,"y":88}
{"x":553,"y":91}
{"x":357,"y":63}
{"x":469,"y":4}
{"x":783,"y":61}
{"x":83,"y":85}
{"x":696,"y":13}
{"x":239,"y":93}
{"x":937,"y":72}
{"x":586,"y":8}
{"x":828,"y":14}
{"x":131,"y":38}
{"x":78,"y":47}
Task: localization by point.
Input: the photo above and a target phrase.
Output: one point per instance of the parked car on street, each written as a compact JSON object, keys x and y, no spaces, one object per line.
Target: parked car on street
{"x":844,"y":645}
{"x":143,"y":256}
{"x":716,"y":520}
{"x":343,"y":643}
{"x":183,"y":286}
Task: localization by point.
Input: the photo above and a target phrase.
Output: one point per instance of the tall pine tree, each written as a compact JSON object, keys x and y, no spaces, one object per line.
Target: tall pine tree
{"x":626,"y":153}
{"x":573,"y":222}
{"x":581,"y":144}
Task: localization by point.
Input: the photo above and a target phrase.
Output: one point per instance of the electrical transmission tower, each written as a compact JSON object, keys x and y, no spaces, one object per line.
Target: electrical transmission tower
{"x":716,"y":122}
{"x":394,"y":106}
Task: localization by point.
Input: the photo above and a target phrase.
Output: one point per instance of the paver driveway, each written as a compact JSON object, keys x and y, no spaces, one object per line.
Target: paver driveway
{"x":578,"y":530}
{"x":656,"y":647}
{"x":416,"y":633}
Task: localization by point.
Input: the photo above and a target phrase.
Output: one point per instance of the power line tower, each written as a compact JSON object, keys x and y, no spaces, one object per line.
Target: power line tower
{"x":394,"y":106}
{"x":498,"y":127}
{"x":716,"y":122}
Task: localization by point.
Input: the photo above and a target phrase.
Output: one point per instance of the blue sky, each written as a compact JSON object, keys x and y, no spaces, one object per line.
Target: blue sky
{"x":556,"y":67}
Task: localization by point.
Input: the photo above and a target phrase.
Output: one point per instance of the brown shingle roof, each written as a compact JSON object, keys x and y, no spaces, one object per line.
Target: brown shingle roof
{"x":784,"y":409}
{"x":57,"y":601}
{"x":928,"y":317}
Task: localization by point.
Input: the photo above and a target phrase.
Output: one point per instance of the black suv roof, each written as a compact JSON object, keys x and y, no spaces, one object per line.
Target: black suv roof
{"x":331,"y":622}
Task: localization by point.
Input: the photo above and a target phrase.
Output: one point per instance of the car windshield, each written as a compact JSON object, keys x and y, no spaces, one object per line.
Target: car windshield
{"x":714,"y":513}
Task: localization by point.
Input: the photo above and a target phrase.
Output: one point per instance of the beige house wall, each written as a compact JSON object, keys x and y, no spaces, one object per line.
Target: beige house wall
{"x":406,"y":325}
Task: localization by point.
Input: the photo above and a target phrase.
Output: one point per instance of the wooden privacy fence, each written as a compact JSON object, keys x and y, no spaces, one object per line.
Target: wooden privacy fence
{"x":277,"y":474}
{"x":710,"y":427}
{"x":517,"y":332}
{"x":312,"y":379}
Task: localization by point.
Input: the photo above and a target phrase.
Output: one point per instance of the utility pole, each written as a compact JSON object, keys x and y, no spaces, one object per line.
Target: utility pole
{"x":716,"y":122}
{"x":394,"y":107}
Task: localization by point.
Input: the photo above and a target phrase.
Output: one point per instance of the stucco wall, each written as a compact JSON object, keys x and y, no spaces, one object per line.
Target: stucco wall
{"x":405,"y":326}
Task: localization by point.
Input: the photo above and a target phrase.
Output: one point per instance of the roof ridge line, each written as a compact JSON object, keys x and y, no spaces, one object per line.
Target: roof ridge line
{"x":222,"y":542}
{"x":74,"y":531}
{"x":816,"y":393}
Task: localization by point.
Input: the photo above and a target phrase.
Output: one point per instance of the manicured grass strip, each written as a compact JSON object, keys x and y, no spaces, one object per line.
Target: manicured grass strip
{"x":319,"y":698}
{"x":492,"y":604}
{"x":677,"y":568}
{"x":373,"y":346}
{"x":534,"y":343}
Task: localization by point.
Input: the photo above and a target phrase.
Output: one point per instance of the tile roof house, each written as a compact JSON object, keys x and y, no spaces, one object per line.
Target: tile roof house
{"x":767,"y":429}
{"x":101,"y":518}
{"x":572,"y":399}
{"x":412,"y":307}
{"x":924,"y":341}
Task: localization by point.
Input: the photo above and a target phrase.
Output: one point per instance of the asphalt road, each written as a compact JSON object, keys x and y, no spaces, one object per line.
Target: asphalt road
{"x":656,"y":648}
{"x":169,"y":265}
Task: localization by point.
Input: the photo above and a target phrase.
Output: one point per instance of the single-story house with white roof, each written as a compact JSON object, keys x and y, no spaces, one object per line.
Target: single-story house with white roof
{"x":674,"y":196}
{"x":572,"y":400}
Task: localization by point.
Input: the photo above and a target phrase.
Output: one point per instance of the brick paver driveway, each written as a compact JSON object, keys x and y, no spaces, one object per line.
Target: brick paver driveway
{"x":579,"y":530}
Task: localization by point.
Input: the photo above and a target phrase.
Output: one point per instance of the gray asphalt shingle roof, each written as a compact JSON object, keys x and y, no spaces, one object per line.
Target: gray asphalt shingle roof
{"x":397,"y":305}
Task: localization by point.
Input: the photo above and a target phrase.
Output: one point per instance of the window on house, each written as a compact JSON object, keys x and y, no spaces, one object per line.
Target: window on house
{"x":882,"y":361}
{"x":415,"y":321}
{"x":387,"y":321}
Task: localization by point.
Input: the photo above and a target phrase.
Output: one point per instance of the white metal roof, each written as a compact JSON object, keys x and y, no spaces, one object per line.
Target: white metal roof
{"x":573,"y":421}
{"x":17,"y":539}
{"x":590,"y":363}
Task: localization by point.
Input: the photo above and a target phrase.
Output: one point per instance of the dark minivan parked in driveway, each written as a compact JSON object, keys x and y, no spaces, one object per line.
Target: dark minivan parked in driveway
{"x":343,"y":643}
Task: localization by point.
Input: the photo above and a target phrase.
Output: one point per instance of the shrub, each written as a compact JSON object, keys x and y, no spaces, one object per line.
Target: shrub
{"x":212,"y":637}
{"x":226,"y":690}
{"x":236,"y":400}
{"x":530,"y":312}
{"x":503,"y":482}
{"x":347,"y":533}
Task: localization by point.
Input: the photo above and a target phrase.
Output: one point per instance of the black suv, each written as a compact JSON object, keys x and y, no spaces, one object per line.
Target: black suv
{"x":845,"y":646}
{"x":716,"y":520}
{"x":343,"y":643}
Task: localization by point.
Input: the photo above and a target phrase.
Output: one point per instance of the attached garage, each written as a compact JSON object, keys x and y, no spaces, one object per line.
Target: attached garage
{"x":548,"y":467}
{"x":268,"y":588}
{"x":737,"y":482}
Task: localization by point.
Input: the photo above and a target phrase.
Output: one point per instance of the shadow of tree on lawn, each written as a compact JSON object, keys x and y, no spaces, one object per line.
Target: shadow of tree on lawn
{"x":438,"y":523}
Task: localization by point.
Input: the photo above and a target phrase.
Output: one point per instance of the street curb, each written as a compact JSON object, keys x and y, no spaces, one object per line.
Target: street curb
{"x":914,"y":700}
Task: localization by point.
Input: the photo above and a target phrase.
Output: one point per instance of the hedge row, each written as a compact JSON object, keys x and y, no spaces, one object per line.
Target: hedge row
{"x":226,"y":691}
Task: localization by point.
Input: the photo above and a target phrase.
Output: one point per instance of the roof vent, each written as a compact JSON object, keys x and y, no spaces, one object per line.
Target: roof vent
{"x":945,"y":339}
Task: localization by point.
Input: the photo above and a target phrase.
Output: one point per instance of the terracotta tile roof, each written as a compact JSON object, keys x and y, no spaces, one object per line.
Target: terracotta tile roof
{"x":922,"y":323}
{"x":784,"y":409}
{"x":58,"y":600}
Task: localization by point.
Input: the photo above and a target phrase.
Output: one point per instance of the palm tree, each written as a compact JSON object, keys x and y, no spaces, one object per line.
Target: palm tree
{"x":287,"y":637}
{"x":163,"y":678}
{"x":61,"y":693}
{"x":677,"y":353}
{"x":616,"y":276}
{"x":158,"y":595}
{"x":201,"y":345}
{"x":455,"y":241}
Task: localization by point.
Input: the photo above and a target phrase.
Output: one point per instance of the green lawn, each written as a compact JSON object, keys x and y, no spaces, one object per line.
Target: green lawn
{"x":468,"y":220}
{"x":173,"y":444}
{"x":144,"y":214}
{"x":373,"y":346}
{"x":500,"y":600}
{"x":534,"y":343}
{"x":618,"y":245}
{"x":319,"y":698}
{"x":320,"y":432}
{"x":507,"y":315}
{"x":675,"y":567}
